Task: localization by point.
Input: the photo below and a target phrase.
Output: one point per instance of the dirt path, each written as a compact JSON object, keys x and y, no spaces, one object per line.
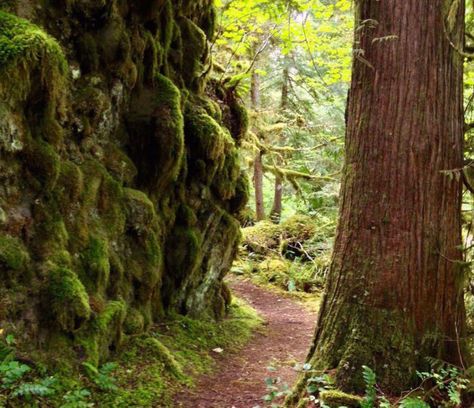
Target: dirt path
{"x":239,"y":379}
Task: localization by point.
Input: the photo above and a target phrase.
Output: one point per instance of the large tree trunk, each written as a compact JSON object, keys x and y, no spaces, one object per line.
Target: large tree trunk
{"x":394,"y":293}
{"x":258,"y":160}
{"x":277,"y":207}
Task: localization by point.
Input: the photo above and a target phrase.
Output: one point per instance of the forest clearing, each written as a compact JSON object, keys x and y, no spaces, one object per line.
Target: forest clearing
{"x":237,"y":203}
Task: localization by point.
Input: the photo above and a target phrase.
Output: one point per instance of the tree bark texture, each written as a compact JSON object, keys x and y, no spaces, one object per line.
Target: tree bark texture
{"x":394,"y":294}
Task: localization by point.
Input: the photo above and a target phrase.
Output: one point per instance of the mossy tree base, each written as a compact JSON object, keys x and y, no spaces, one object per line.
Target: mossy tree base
{"x":394,"y":294}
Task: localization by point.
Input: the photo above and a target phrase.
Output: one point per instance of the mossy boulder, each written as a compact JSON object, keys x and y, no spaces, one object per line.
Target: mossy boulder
{"x":262,"y":237}
{"x":266,"y":237}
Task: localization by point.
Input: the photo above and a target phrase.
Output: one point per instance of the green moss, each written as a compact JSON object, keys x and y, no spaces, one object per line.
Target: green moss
{"x":214,"y":159}
{"x":239,"y":120}
{"x":194,"y":51}
{"x":69,"y":186}
{"x":13,"y":253}
{"x":44,"y":163}
{"x":262,"y":236}
{"x":141,"y":215}
{"x":242,"y":193}
{"x":202,"y":104}
{"x":336,"y":399}
{"x":167,"y":26}
{"x":156,"y":127}
{"x":183,"y":248}
{"x":228,"y":175}
{"x":146,"y":266}
{"x":207,"y":136}
{"x":102,"y":246}
{"x":300,"y":226}
{"x":67,"y":298}
{"x":209,"y":22}
{"x":274,"y":270}
{"x":96,"y":263}
{"x":103,"y":331}
{"x":22,"y":46}
{"x":163,"y":353}
{"x":134,"y":322}
{"x":110,"y":206}
{"x":186,"y":216}
{"x":153,"y":57}
{"x":111,"y":318}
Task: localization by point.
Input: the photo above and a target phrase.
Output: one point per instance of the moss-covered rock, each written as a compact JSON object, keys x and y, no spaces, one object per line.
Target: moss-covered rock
{"x":336,"y":399}
{"x":66,"y":298}
{"x":122,"y":175}
{"x":265,"y":236}
{"x":13,"y":253}
{"x":22,"y":45}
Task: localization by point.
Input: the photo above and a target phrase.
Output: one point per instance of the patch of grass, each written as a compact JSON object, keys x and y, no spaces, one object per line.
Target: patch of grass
{"x":296,"y":280}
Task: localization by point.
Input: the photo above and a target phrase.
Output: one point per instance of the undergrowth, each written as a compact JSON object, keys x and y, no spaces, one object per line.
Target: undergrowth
{"x":146,"y":372}
{"x":442,"y":386}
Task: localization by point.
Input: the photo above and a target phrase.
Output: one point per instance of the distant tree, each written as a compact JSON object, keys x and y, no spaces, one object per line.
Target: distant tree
{"x":270,"y":51}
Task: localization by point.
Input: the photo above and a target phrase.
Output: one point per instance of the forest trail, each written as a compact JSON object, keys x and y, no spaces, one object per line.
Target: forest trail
{"x":239,"y":378}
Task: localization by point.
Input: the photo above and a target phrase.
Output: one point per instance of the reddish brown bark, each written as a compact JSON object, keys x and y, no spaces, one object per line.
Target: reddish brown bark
{"x":394,"y":293}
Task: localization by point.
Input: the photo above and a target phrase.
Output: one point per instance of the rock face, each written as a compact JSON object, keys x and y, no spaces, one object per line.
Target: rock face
{"x":119,"y":173}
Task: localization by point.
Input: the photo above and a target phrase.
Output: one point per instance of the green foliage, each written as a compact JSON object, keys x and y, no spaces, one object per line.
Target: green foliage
{"x":275,"y":390}
{"x":77,"y":399}
{"x":153,"y":365}
{"x":41,"y":388}
{"x":448,"y":380}
{"x":370,"y":390}
{"x":12,"y":372}
{"x":441,"y":387}
{"x":293,"y":255}
{"x":413,"y":403}
{"x":102,"y":376}
{"x":15,"y":385}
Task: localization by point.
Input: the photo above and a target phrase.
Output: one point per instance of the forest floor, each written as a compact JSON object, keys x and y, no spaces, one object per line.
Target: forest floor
{"x":239,"y":379}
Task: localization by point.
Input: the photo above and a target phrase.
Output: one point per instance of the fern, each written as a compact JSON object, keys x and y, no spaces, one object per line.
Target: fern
{"x":102,"y":377}
{"x":77,"y":399}
{"x":370,"y":380}
{"x":42,"y":388}
{"x":12,"y":372}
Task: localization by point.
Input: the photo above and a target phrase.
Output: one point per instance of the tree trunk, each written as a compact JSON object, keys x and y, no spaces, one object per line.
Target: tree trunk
{"x":277,"y":208}
{"x":258,"y":161}
{"x":394,"y":293}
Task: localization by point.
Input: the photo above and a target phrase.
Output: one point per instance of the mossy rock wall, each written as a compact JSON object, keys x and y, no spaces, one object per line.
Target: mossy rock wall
{"x":119,"y":182}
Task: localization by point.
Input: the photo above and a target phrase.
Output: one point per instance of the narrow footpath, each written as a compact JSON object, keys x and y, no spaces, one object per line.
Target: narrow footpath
{"x":239,"y":378}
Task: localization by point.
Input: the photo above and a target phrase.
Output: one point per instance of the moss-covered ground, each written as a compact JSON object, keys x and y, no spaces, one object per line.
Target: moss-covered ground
{"x":148,"y":369}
